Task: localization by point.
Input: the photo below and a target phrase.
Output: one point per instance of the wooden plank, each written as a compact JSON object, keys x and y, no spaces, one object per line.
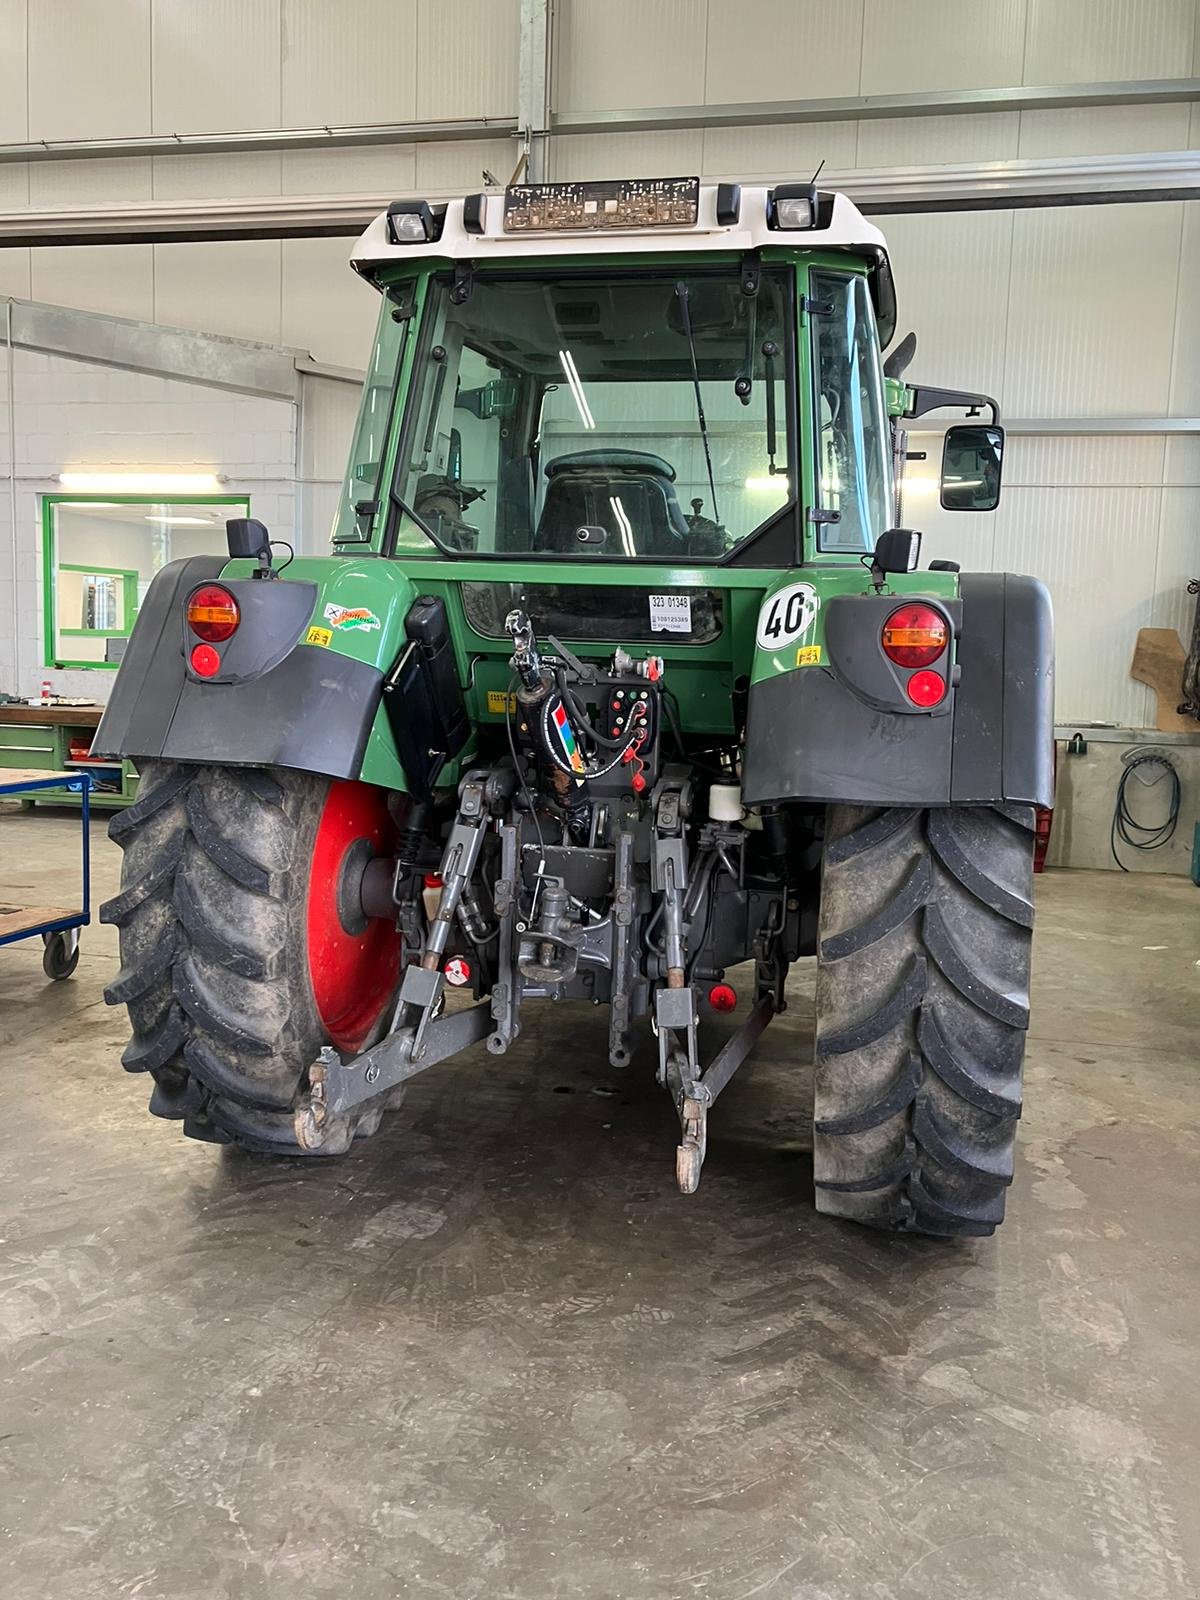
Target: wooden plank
{"x":1158,"y":660}
{"x":33,"y":775}
{"x":20,"y":918}
{"x":53,"y":716}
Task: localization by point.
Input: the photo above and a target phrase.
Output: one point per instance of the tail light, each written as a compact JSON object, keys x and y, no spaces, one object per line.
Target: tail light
{"x":722,"y":997}
{"x":915,"y":636}
{"x":212,"y":614}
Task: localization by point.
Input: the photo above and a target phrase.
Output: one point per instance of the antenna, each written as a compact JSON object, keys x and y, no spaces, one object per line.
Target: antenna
{"x":817,"y":173}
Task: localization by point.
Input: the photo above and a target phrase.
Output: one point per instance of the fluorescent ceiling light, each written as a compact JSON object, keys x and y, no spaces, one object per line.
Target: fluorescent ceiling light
{"x":567,"y":362}
{"x":182,"y":522}
{"x":180,"y":483}
{"x":94,"y":505}
{"x":765,"y":485}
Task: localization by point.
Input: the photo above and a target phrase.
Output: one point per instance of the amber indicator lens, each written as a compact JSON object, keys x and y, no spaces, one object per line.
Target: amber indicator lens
{"x":212,"y":613}
{"x":914,"y":636}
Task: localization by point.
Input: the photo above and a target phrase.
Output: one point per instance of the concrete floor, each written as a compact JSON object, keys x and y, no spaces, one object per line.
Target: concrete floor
{"x":494,"y":1353}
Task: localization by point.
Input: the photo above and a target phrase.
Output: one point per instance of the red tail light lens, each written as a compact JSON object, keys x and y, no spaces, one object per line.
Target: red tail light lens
{"x":915,"y":636}
{"x":206,"y":663}
{"x":722,"y":997}
{"x":926,"y":688}
{"x":212,"y":614}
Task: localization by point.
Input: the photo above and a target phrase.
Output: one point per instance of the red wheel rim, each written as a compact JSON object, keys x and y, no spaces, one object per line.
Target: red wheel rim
{"x":353,"y":973}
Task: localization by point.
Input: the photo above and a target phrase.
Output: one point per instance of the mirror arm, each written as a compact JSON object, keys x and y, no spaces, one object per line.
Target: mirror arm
{"x":925,"y":399}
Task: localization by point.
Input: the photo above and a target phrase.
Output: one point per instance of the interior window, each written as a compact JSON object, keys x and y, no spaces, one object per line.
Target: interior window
{"x":102,"y":555}
{"x":566,"y":416}
{"x":853,"y":455}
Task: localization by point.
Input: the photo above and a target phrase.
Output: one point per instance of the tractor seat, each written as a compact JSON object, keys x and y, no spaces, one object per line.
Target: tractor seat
{"x":581,"y":488}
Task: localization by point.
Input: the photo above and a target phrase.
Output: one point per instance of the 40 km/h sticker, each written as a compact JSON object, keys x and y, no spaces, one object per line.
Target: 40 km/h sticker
{"x":786,"y":615}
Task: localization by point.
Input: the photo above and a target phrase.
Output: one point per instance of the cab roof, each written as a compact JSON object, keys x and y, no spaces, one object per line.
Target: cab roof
{"x":472,"y":229}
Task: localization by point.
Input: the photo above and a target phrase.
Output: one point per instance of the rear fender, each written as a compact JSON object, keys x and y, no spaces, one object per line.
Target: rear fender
{"x":298,"y":685}
{"x":836,"y":725}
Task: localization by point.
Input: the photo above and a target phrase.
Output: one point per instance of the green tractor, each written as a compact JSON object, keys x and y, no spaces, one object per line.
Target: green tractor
{"x":620,"y":674}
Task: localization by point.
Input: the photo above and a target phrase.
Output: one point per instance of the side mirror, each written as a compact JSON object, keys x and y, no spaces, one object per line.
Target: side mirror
{"x":897,"y":550}
{"x":971,"y":457}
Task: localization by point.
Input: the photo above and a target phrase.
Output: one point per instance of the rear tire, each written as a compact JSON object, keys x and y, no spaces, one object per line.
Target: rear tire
{"x":224,"y":927}
{"x":922,"y":1007}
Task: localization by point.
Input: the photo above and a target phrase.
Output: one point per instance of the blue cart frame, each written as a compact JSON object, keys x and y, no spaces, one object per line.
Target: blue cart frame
{"x":62,"y":953}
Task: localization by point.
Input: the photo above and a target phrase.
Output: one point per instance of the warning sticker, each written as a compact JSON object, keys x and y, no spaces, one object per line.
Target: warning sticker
{"x":670,"y":613}
{"x":808,"y":655}
{"x":319,"y":636}
{"x":352,"y":617}
{"x":498,"y":702}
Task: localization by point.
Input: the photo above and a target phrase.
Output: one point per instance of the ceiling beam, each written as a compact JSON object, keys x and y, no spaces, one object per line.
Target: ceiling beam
{"x":1087,"y":180}
{"x":536,"y":116}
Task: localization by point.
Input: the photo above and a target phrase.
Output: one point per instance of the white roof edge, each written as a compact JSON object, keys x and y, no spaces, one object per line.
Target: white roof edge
{"x":848,"y":230}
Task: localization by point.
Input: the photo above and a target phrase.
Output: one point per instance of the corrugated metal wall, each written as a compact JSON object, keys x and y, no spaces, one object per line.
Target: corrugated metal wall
{"x":1062,"y":313}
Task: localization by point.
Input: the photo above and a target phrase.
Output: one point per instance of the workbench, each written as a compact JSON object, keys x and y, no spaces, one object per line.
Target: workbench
{"x":57,"y":739}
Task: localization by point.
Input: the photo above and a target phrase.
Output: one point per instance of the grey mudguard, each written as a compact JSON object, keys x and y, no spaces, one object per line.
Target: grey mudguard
{"x":829,"y":733}
{"x":310,"y":709}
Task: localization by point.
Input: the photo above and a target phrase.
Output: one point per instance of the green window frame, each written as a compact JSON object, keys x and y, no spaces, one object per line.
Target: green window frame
{"x":50,"y":567}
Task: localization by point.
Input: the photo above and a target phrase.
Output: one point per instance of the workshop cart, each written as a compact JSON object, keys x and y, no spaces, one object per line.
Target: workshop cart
{"x":58,"y":927}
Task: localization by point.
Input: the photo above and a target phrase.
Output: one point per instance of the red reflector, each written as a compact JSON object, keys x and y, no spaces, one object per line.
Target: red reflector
{"x":914,"y":636}
{"x":205,"y":661}
{"x":926,"y":688}
{"x":212,"y":613}
{"x":722,"y":997}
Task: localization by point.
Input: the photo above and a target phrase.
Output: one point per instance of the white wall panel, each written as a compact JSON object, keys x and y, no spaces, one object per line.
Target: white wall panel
{"x":467,"y":58}
{"x":936,"y":141}
{"x":1092,"y":310}
{"x":952,"y":276}
{"x":222,"y":177}
{"x":329,"y":412}
{"x":1185,"y":355}
{"x":617,"y":53}
{"x":327,"y":309}
{"x":798,"y":147}
{"x":58,"y":183}
{"x":230,"y":288}
{"x":215,"y":65}
{"x":941,"y":44}
{"x":1178,"y":561}
{"x":1099,"y":41}
{"x":1084,"y":461}
{"x":386,"y":169}
{"x":1183,"y":462}
{"x":761,"y":50}
{"x":633,"y":155}
{"x":118,"y":279}
{"x":355,"y":61}
{"x":16,"y":272}
{"x":14,"y":184}
{"x":14,"y":70}
{"x":1103,"y":130}
{"x":1095,"y":548}
{"x":441,"y":167}
{"x":89,"y":68}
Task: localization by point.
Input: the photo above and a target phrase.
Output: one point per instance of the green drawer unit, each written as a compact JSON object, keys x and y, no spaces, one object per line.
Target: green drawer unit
{"x":29,"y":743}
